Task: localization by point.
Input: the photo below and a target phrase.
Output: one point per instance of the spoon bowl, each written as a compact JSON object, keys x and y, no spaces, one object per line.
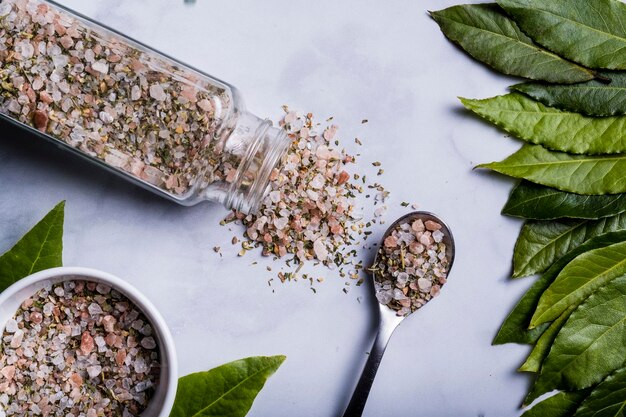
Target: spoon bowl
{"x":424,"y":216}
{"x":389,"y":320}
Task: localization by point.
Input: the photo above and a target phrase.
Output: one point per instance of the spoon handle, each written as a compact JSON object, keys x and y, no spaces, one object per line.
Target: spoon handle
{"x":362,"y":390}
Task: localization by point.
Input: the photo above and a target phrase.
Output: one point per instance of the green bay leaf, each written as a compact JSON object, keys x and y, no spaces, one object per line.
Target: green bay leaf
{"x":590,"y":345}
{"x":487,"y":34}
{"x":541,"y":243}
{"x":562,"y":404}
{"x":226,"y":391}
{"x":579,"y":279}
{"x":550,"y":127}
{"x":593,"y":98}
{"x":543,"y":345}
{"x":580,"y":174}
{"x":608,"y":399}
{"x":41,"y":248}
{"x":590,"y":32}
{"x":537,"y":202}
{"x":515,"y":327}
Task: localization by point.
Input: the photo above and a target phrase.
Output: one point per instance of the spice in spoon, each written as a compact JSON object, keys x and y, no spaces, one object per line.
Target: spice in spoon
{"x":411,"y":266}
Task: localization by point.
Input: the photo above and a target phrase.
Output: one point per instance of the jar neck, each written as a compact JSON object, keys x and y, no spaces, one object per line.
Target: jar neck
{"x":251,"y":150}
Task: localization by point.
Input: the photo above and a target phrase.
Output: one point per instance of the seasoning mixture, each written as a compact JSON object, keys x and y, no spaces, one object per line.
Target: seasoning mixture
{"x":77,"y":349}
{"x":411,"y":266}
{"x":310,"y":212}
{"x":134,"y":110}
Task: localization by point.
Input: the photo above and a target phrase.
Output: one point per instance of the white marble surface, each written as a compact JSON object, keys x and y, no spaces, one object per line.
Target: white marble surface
{"x":384,"y":61}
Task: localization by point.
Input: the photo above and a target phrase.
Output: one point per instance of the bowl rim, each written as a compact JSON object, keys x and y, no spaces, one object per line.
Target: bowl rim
{"x":127,"y":289}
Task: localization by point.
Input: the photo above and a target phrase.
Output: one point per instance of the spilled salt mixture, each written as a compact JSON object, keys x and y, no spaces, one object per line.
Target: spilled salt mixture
{"x":77,"y":349}
{"x":411,"y":267}
{"x":314,"y":212}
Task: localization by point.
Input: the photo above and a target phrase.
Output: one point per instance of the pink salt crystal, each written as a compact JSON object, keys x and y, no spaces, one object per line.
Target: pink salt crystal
{"x":16,"y":340}
{"x":424,"y":284}
{"x":114,"y":58}
{"x":75,"y":395}
{"x":190,"y":93}
{"x":416,"y":248}
{"x":37,"y":83}
{"x":230,"y":176}
{"x":131,"y":342}
{"x":120,"y":357}
{"x":329,"y":133}
{"x":137,"y":65}
{"x":100,"y":66}
{"x":157,"y":92}
{"x":418,"y":226}
{"x":110,"y":339}
{"x":8,"y":372}
{"x":205,"y":105}
{"x":60,"y":29}
{"x":86,"y":343}
{"x":67,"y":42}
{"x":391,"y":242}
{"x":290,"y":117}
{"x":343,"y":178}
{"x":336,"y":229}
{"x":30,"y":93}
{"x":282,"y":251}
{"x":76,"y":380}
{"x":432,"y":226}
{"x":8,"y":389}
{"x":40,"y":120}
{"x":171,"y":182}
{"x":108,"y":322}
{"x":434,"y":291}
{"x":36,"y":317}
{"x":426,"y":239}
{"x":320,"y":250}
{"x":136,"y":167}
{"x":322,"y":152}
{"x":405,"y":302}
{"x":45,"y":97}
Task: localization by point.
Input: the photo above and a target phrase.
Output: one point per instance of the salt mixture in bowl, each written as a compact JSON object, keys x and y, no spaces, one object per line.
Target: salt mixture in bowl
{"x":76,"y":342}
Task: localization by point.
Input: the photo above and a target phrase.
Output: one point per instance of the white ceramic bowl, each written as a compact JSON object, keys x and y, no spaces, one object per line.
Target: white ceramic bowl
{"x":163,"y":399}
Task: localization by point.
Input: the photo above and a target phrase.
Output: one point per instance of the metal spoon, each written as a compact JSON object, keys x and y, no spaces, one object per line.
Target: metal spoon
{"x":389,"y":320}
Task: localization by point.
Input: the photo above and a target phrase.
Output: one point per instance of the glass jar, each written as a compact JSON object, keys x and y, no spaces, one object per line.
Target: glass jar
{"x":155,"y":121}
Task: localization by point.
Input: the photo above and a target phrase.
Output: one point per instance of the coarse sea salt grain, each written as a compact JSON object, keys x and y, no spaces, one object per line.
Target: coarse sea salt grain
{"x":11,"y":326}
{"x":101,"y":66}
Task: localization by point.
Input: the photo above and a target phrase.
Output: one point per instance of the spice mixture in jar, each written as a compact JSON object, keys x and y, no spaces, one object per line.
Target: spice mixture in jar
{"x":75,"y":349}
{"x":411,"y":266}
{"x":310,"y":212}
{"x":111,"y":99}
